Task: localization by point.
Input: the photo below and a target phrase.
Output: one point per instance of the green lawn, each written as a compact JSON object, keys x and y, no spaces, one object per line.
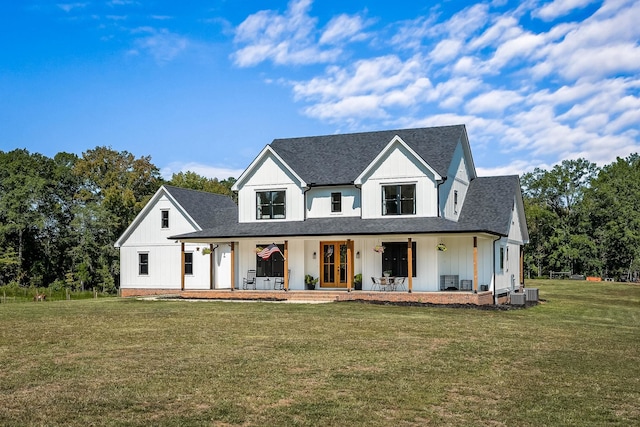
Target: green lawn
{"x":572,"y":360}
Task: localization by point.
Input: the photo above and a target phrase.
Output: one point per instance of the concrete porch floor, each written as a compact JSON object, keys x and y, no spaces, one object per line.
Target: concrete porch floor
{"x":457,"y":297}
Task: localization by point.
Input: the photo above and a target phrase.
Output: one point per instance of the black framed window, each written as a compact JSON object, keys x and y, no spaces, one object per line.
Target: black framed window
{"x":394,"y":258}
{"x":271,"y":204}
{"x":143,"y":264}
{"x":336,"y":202}
{"x":399,"y":199}
{"x":272,"y":266}
{"x":188,"y":263}
{"x":164,"y":222}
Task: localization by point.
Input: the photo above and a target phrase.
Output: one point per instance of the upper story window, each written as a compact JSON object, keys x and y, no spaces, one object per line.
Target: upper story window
{"x":455,"y":201}
{"x":336,"y":202}
{"x":399,"y":199}
{"x":164,"y":222}
{"x":270,"y":204}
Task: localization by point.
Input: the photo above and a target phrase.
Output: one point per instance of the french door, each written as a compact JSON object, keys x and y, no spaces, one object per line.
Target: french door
{"x":333,"y":265}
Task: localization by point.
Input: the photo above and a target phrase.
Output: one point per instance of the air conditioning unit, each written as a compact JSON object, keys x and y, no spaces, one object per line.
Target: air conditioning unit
{"x":532,"y":294}
{"x":518,"y":299}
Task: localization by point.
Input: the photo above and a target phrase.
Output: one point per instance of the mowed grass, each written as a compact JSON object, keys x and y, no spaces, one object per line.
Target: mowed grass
{"x":573,"y":360}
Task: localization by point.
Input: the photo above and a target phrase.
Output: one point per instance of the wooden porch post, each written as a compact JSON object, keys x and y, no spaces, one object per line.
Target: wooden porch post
{"x":182,"y":266}
{"x":521,"y":265}
{"x":349,"y":264}
{"x":211,"y":257}
{"x":233,"y":266}
{"x":475,"y":264}
{"x":286,"y":265}
{"x":410,"y":265}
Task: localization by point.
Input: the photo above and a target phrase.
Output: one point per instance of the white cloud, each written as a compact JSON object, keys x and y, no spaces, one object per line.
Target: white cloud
{"x":558,"y":8}
{"x":445,"y":51}
{"x":68,"y":7}
{"x":163,"y":45}
{"x":343,"y":28}
{"x":207,"y":171}
{"x":495,"y":101}
{"x":288,"y":38}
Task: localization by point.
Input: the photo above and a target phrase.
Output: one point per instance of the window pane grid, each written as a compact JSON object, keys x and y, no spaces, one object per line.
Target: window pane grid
{"x":399,"y":199}
{"x":270,"y":205}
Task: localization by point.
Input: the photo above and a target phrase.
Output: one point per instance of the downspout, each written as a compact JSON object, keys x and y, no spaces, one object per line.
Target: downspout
{"x":442,"y":181}
{"x":304,"y":196}
{"x":493,"y":266}
{"x":212,"y":257}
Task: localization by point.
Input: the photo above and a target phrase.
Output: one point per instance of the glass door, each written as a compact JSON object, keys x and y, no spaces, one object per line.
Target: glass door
{"x":333,"y":265}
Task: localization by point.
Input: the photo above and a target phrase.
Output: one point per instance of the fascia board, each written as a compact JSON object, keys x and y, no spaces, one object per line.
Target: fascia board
{"x":396,"y":139}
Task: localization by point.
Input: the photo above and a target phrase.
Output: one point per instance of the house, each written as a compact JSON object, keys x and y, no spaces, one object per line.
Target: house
{"x":150,"y":260}
{"x":405,"y":202}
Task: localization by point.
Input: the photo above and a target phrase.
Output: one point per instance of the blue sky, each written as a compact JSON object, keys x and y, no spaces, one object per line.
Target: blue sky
{"x":205,"y":85}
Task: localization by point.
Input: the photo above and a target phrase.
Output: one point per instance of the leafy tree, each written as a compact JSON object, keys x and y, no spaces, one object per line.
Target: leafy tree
{"x":194,"y":181}
{"x":613,"y":201}
{"x":559,"y":235}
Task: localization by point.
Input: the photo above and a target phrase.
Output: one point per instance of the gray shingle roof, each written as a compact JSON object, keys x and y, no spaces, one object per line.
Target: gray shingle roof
{"x":339,"y":159}
{"x":207,"y":209}
{"x":489,"y":204}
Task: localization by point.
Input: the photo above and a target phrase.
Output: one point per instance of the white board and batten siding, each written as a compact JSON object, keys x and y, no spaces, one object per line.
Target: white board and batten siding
{"x":454,"y":190}
{"x":147,"y":236}
{"x":399,"y":167}
{"x":270,"y":175}
{"x":319,"y":202}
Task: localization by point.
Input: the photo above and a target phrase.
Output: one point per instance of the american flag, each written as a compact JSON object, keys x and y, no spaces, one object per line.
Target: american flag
{"x":268,"y":251}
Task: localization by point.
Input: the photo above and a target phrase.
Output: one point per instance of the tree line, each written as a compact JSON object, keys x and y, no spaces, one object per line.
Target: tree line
{"x":60,"y":216}
{"x":583,"y":219}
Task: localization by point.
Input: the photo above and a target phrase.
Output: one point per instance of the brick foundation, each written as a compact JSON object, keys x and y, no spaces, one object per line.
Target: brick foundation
{"x":480,"y":298}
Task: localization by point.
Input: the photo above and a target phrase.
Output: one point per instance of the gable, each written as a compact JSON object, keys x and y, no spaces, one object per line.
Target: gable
{"x":397,"y":161}
{"x":189,"y":210}
{"x":268,"y":168}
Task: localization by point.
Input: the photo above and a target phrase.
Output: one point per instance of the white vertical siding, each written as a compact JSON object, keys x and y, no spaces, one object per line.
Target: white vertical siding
{"x":457,"y":180}
{"x":319,"y":202}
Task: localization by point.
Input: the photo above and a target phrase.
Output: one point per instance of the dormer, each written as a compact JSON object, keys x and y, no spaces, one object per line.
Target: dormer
{"x":398,"y":183}
{"x":270,"y":190}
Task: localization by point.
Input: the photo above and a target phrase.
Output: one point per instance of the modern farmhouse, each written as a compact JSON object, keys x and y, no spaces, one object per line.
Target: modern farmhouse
{"x":402,"y":209}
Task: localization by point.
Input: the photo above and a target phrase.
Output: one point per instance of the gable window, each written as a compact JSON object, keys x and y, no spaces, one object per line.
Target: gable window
{"x":399,"y":199}
{"x":188,"y":263}
{"x":164,"y":222}
{"x":455,"y":201}
{"x":336,"y":202}
{"x":270,"y":204}
{"x":272,"y":266}
{"x":143,"y":264}
{"x":394,"y":258}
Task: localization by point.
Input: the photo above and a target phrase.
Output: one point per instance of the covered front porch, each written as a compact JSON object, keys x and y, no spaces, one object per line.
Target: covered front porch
{"x":438,"y":267}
